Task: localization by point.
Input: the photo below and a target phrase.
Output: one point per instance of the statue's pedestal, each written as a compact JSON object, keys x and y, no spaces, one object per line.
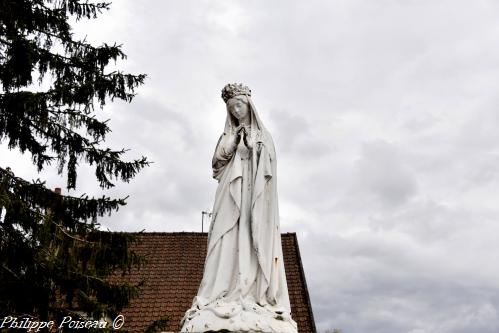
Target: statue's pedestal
{"x":238,"y":317}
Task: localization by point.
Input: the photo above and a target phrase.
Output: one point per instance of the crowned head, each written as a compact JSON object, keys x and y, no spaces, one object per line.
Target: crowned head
{"x":232,"y":90}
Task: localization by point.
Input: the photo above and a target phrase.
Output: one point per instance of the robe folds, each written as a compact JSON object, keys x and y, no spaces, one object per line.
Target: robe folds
{"x":244,"y":268}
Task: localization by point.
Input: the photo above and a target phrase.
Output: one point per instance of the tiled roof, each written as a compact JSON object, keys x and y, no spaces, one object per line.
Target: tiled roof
{"x":173,"y":272}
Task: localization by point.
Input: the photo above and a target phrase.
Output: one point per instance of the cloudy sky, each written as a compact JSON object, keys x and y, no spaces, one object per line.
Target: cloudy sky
{"x":385,"y":117}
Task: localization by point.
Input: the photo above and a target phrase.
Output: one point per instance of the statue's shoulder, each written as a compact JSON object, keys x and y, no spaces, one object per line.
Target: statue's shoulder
{"x":267,"y":140}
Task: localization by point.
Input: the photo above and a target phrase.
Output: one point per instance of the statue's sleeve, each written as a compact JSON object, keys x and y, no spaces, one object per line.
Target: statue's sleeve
{"x":221,"y":157}
{"x":264,"y":139}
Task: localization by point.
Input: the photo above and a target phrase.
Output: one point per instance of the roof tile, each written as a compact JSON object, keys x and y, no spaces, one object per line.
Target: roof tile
{"x":173,"y":272}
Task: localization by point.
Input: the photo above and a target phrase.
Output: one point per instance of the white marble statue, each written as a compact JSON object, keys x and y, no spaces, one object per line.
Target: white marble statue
{"x":244,"y":285}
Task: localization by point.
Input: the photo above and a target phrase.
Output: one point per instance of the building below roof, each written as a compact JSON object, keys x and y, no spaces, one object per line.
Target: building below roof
{"x":173,"y":271}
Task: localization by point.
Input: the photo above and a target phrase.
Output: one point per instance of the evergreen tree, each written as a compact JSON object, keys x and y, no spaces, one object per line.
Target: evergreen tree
{"x":54,"y":261}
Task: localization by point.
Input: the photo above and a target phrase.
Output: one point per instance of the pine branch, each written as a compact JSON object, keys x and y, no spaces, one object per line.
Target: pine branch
{"x":108,"y":162}
{"x":38,"y":195}
{"x":63,"y":140}
{"x":10,"y":271}
{"x":51,"y":249}
{"x":88,"y":10}
{"x":61,"y":228}
{"x":97,"y":129}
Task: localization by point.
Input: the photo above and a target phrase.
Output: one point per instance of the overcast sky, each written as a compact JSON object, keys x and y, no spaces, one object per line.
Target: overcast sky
{"x":385,"y":118}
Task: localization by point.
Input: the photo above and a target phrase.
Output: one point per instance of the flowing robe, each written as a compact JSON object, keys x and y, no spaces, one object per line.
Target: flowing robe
{"x":244,"y":248}
{"x":244,"y":267}
{"x":244,"y":263}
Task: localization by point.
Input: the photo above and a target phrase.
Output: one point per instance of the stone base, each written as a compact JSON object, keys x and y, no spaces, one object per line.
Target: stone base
{"x":238,"y":317}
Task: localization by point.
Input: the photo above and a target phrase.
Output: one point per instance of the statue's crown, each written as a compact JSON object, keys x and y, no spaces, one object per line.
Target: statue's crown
{"x":233,"y":90}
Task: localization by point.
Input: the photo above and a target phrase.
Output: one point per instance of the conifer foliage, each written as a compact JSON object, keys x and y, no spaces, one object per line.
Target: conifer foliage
{"x":54,"y":261}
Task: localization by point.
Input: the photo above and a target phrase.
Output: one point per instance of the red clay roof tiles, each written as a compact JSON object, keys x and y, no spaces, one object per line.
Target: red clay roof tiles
{"x":173,"y":272}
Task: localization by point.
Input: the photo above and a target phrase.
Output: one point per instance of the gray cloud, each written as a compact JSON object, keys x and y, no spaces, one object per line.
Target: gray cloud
{"x":382,"y":173}
{"x":384,"y":117}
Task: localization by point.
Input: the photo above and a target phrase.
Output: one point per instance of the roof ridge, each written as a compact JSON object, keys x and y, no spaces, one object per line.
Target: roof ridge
{"x":307,"y":295}
{"x":166,"y":232}
{"x":179,"y":233}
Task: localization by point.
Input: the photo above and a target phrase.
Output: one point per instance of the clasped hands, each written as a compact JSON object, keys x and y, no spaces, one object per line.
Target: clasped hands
{"x":240,"y":133}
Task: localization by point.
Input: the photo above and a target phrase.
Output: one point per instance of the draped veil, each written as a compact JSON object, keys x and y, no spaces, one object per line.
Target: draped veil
{"x":268,"y":294}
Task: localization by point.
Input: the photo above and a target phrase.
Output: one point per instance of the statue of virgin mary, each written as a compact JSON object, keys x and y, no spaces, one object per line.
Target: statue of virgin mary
{"x":244,"y":285}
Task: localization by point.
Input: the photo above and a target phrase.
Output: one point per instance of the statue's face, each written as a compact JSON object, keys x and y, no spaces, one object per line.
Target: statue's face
{"x":238,"y":107}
